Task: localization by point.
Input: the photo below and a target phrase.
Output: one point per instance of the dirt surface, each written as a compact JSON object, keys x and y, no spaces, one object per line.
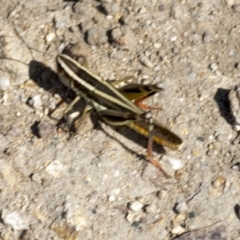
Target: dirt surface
{"x":96,"y":184}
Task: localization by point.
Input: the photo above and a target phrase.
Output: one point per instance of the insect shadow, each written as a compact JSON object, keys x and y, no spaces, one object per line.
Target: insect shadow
{"x":237,"y":210}
{"x":47,"y":79}
{"x":221,"y":97}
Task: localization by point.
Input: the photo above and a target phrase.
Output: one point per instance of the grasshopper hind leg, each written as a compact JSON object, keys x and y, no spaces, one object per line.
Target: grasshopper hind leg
{"x":150,"y":146}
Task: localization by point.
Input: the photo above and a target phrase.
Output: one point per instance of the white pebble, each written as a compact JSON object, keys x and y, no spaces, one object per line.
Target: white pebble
{"x":236,"y":167}
{"x":60,"y":24}
{"x":156,"y":68}
{"x":230,"y":2}
{"x":4,"y":83}
{"x":36,"y":102}
{"x":55,"y":169}
{"x":142,"y":10}
{"x":15,"y":220}
{"x":175,"y":163}
{"x":116,"y":191}
{"x":178,"y":230}
{"x":173,"y":39}
{"x":213,"y":67}
{"x":131,"y":217}
{"x":135,"y":206}
{"x":157,"y":45}
{"x":50,"y":37}
{"x":181,"y":207}
{"x":116,"y":174}
{"x":111,"y":198}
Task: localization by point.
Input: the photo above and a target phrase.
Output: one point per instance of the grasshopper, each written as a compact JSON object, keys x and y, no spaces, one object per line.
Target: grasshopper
{"x":115,"y":106}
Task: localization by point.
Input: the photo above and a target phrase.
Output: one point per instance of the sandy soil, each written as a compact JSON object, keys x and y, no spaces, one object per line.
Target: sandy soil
{"x":96,"y":184}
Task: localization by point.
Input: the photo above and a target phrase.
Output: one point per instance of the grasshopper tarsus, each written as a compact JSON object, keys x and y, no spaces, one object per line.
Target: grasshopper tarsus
{"x":158,"y":165}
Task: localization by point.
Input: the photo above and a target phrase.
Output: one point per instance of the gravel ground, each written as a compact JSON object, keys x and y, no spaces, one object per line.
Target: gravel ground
{"x":95,"y":184}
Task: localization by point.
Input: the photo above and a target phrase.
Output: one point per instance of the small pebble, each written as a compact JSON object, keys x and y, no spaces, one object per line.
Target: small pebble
{"x":179,"y":220}
{"x":234,"y":100}
{"x":181,"y":207}
{"x":132,"y":217}
{"x":116,"y":174}
{"x":220,"y":137}
{"x":117,"y":37}
{"x":157,"y":68}
{"x":217,"y":187}
{"x":236,"y":166}
{"x":36,"y":177}
{"x":55,"y":169}
{"x":123,"y":39}
{"x":195,"y":152}
{"x":111,"y":9}
{"x":162,"y":194}
{"x":213,"y":67}
{"x":60,"y":24}
{"x":219,"y":182}
{"x":173,"y":39}
{"x":175,"y":163}
{"x":206,"y":37}
{"x":146,"y":61}
{"x":139,"y":198}
{"x":161,"y":7}
{"x":118,"y":55}
{"x":232,"y":53}
{"x":230,"y":2}
{"x":14,"y":219}
{"x":80,"y":49}
{"x":178,"y":175}
{"x":152,"y":208}
{"x":157,"y":45}
{"x":96,"y":35}
{"x":4,"y":98}
{"x":236,"y":8}
{"x":210,"y":146}
{"x":175,"y":50}
{"x":215,"y":192}
{"x":135,"y":206}
{"x":74,"y":213}
{"x":45,"y":129}
{"x":142,"y":10}
{"x":178,"y":230}
{"x":50,"y":37}
{"x":116,"y":191}
{"x":111,"y":198}
{"x":4,"y":83}
{"x":36,"y":102}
